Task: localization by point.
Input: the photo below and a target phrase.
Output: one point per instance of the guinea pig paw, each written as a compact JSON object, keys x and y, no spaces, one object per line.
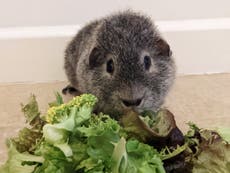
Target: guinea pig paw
{"x":70,"y":90}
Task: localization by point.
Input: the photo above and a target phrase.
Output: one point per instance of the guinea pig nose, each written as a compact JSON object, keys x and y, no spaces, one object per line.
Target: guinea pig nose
{"x":129,"y":103}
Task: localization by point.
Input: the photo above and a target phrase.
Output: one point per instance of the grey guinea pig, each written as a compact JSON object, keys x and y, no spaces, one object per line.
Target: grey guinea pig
{"x":123,"y":60}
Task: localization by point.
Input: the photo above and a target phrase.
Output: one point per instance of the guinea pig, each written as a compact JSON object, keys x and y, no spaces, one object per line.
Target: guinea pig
{"x":123,"y":60}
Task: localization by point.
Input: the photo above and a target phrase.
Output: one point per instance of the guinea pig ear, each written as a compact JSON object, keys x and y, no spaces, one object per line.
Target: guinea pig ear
{"x":163,"y":48}
{"x":95,"y":57}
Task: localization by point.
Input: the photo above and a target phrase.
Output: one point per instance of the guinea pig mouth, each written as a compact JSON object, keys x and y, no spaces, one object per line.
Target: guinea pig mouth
{"x":131,"y":103}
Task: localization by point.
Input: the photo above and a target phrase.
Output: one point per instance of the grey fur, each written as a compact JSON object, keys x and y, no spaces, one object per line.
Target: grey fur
{"x":125,"y":38}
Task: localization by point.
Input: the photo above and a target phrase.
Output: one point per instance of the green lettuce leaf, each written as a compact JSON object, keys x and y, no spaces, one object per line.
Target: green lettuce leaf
{"x":59,"y":101}
{"x":74,"y":140}
{"x":101,"y":133}
{"x":135,"y":157}
{"x":224,"y":132}
{"x":54,"y":160}
{"x":16,"y":159}
{"x":29,"y":137}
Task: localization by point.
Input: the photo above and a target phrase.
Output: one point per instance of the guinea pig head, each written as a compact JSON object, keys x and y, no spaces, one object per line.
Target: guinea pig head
{"x":130,"y":66}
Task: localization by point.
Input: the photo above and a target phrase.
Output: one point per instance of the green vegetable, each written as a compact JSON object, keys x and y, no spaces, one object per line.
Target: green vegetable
{"x":133,"y":156}
{"x":29,"y":137}
{"x":74,"y":140}
{"x":224,"y":132}
{"x":69,"y":138}
{"x":16,"y":160}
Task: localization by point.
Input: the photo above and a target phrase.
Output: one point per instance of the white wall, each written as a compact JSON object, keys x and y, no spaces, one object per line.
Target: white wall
{"x":34,"y":34}
{"x":69,"y":12}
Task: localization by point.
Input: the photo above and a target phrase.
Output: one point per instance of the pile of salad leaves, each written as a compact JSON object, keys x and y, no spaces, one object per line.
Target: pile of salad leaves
{"x":70,"y":138}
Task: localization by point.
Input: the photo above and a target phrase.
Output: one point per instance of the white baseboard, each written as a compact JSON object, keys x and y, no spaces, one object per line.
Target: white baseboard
{"x":38,"y":32}
{"x":36,"y":53}
{"x":71,"y":30}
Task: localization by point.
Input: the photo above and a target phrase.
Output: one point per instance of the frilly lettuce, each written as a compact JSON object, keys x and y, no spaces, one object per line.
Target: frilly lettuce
{"x":209,"y":150}
{"x":70,"y":138}
{"x":17,"y":161}
{"x":133,"y":156}
{"x":74,"y":140}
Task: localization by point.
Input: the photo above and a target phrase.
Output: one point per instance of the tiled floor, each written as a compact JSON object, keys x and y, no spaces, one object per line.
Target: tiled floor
{"x":203,"y":99}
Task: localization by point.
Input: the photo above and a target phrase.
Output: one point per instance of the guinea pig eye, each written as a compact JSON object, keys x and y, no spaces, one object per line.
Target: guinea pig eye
{"x":147,"y":62}
{"x":110,"y":66}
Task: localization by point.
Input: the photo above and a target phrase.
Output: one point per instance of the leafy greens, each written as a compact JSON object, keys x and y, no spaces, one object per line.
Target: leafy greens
{"x":73,"y":140}
{"x":70,"y":138}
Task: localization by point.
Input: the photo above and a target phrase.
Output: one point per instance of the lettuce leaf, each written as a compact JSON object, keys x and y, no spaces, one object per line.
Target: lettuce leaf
{"x":54,"y":160}
{"x":214,"y":158}
{"x":70,"y":138}
{"x":29,"y":137}
{"x":224,"y":132}
{"x":135,"y":157}
{"x":16,"y":160}
{"x":208,"y":151}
